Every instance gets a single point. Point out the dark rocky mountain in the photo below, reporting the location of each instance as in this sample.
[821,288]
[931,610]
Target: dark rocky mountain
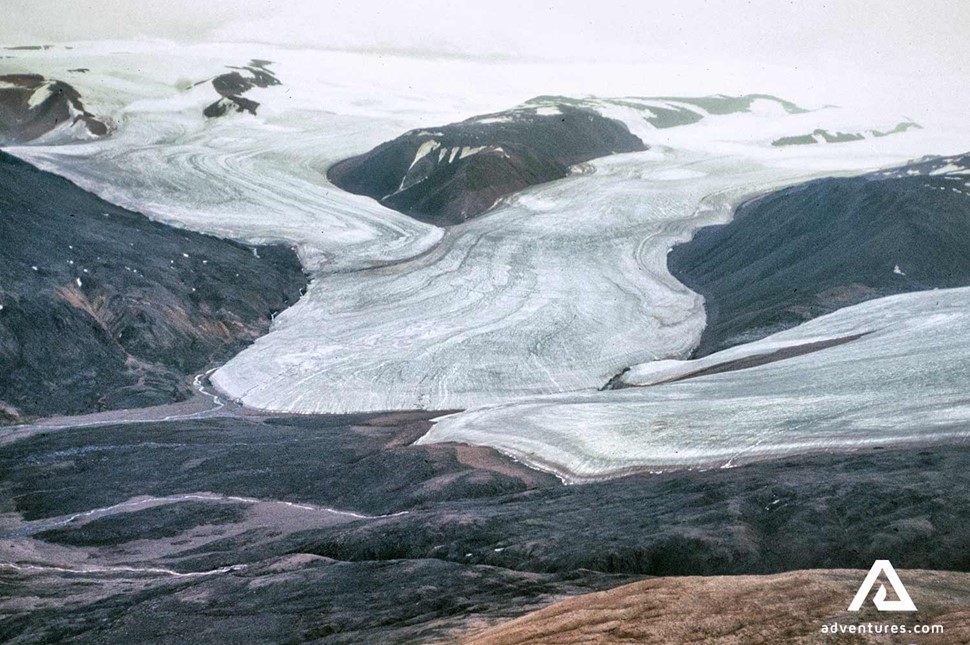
[232,85]
[821,135]
[101,308]
[32,106]
[804,251]
[483,539]
[449,174]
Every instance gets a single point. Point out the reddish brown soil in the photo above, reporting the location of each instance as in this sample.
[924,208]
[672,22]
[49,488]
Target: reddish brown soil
[789,608]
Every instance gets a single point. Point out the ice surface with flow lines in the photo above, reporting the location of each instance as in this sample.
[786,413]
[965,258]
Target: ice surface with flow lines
[903,379]
[554,291]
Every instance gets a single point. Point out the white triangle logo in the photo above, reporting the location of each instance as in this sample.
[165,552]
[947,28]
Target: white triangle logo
[905,603]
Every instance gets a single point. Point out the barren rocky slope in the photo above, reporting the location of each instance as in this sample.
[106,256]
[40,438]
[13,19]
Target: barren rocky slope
[801,252]
[101,308]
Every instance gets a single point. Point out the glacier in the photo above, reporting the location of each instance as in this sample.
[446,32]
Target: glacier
[554,291]
[900,377]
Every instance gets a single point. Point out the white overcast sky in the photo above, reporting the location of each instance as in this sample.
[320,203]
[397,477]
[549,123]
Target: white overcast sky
[847,41]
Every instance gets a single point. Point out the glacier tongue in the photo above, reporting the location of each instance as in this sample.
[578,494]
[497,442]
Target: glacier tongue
[903,379]
[239,178]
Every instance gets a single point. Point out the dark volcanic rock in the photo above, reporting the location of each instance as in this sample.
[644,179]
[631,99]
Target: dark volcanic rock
[831,510]
[101,308]
[363,462]
[801,252]
[450,174]
[359,461]
[151,524]
[31,106]
[840,511]
[287,600]
[483,538]
[232,85]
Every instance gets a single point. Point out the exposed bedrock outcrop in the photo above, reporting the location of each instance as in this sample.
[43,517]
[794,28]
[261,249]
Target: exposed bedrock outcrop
[32,106]
[101,308]
[804,251]
[232,85]
[450,174]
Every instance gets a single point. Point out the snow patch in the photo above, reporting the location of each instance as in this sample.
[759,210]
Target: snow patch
[948,169]
[548,110]
[40,95]
[425,149]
